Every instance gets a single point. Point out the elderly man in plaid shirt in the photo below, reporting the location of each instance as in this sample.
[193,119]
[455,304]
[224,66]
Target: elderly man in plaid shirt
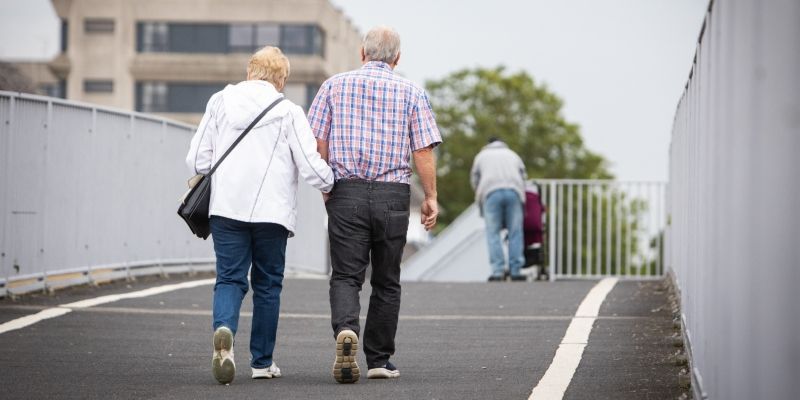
[368,124]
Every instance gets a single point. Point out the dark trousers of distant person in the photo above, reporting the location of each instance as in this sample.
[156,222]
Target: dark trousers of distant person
[367,223]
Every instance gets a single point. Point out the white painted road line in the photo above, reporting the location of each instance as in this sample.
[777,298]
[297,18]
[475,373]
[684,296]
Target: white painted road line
[66,308]
[141,293]
[556,380]
[27,320]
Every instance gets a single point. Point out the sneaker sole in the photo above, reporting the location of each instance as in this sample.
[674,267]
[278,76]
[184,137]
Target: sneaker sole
[223,368]
[382,373]
[267,376]
[345,368]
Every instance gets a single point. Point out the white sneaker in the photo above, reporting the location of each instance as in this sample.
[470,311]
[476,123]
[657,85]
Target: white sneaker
[222,364]
[345,368]
[267,373]
[388,371]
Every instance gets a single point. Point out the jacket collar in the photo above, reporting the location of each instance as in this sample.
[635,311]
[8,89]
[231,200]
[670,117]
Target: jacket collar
[496,145]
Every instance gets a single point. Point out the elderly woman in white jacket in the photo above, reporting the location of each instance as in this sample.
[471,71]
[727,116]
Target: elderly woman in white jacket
[253,202]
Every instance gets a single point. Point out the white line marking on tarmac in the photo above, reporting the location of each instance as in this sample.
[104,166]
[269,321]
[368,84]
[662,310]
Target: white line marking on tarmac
[555,381]
[66,308]
[32,319]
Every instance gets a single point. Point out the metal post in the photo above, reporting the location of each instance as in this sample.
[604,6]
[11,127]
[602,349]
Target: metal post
[609,221]
[589,212]
[579,239]
[618,223]
[570,229]
[662,230]
[599,233]
[4,255]
[561,231]
[551,231]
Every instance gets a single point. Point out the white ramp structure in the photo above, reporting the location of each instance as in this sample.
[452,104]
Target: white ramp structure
[459,253]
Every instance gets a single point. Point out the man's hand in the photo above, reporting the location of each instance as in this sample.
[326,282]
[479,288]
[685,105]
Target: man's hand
[430,212]
[326,197]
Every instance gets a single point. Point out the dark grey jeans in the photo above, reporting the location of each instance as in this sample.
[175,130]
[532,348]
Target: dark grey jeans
[367,223]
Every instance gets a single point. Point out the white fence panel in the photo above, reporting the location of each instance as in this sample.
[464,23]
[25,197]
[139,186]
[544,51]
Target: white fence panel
[732,241]
[594,229]
[90,193]
[601,228]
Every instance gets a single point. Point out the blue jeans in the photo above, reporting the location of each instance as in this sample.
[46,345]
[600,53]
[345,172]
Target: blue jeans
[503,210]
[237,245]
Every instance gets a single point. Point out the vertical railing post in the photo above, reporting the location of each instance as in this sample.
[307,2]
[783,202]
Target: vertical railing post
[4,267]
[570,229]
[551,231]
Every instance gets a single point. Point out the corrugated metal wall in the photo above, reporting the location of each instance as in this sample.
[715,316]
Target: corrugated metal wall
[86,189]
[734,198]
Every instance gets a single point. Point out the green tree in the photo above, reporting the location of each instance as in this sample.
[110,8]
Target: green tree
[472,105]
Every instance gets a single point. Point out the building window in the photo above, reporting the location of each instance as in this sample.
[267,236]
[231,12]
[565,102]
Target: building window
[98,86]
[53,89]
[301,94]
[64,32]
[190,97]
[247,38]
[296,39]
[241,38]
[151,37]
[268,35]
[190,38]
[311,93]
[175,97]
[296,92]
[151,97]
[228,38]
[62,88]
[98,25]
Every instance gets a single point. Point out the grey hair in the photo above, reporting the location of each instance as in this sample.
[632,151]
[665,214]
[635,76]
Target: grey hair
[382,43]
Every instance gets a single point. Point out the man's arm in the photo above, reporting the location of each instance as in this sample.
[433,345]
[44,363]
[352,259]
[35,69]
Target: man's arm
[322,149]
[319,118]
[425,162]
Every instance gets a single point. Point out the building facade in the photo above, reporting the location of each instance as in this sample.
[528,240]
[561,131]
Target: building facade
[168,56]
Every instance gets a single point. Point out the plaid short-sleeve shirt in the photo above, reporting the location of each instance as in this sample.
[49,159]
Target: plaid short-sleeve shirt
[372,120]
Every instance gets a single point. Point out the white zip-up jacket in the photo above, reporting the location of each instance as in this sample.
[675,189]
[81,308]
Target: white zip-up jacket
[257,182]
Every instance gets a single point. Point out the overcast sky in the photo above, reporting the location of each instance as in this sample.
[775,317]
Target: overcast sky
[619,65]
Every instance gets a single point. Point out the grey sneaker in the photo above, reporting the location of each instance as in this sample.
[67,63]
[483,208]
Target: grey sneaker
[222,364]
[388,371]
[267,373]
[345,368]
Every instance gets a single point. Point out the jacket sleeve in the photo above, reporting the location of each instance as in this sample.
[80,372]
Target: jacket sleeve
[314,170]
[522,170]
[201,150]
[475,173]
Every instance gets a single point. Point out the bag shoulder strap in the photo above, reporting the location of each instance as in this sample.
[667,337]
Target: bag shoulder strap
[244,133]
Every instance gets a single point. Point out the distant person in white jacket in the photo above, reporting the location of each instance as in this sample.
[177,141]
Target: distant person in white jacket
[253,202]
[498,178]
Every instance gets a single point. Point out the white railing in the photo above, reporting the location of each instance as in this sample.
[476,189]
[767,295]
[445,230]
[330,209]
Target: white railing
[594,228]
[599,228]
[733,242]
[89,194]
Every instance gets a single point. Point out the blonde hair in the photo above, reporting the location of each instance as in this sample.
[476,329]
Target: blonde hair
[269,64]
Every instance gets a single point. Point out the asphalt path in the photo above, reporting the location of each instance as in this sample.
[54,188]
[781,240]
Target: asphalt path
[455,341]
